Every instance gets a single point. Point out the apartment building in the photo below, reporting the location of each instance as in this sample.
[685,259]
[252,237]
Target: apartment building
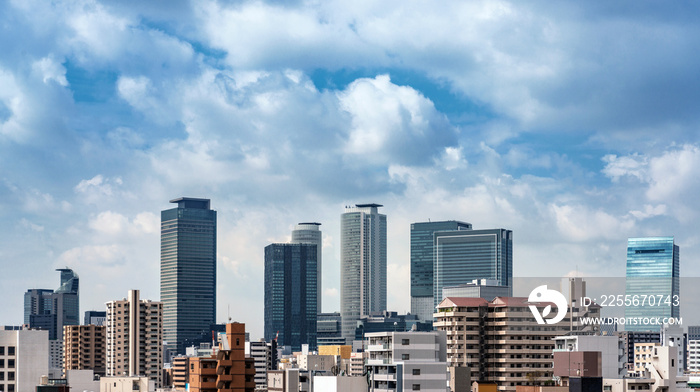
[85,348]
[23,359]
[407,361]
[500,340]
[135,338]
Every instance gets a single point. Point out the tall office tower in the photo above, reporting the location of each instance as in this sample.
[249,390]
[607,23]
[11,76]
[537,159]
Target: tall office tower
[422,303]
[290,294]
[464,255]
[51,310]
[653,273]
[188,272]
[309,233]
[134,338]
[85,348]
[23,356]
[362,265]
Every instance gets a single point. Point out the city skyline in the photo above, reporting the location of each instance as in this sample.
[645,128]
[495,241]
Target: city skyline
[571,124]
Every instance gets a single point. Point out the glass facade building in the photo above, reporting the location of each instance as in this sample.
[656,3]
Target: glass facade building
[290,294]
[362,265]
[309,233]
[422,264]
[51,310]
[188,272]
[464,255]
[653,271]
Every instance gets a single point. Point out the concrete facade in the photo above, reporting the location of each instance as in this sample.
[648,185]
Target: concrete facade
[407,361]
[24,356]
[135,338]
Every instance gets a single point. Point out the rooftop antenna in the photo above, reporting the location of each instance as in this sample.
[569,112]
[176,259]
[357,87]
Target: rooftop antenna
[228,312]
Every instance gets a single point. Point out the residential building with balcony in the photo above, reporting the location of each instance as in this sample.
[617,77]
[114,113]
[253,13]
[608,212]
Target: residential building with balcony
[85,348]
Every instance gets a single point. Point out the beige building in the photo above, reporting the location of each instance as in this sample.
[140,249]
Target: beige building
[84,348]
[500,340]
[642,356]
[135,338]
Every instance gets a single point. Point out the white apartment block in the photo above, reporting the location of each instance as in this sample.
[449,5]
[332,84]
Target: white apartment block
[642,356]
[24,358]
[694,356]
[135,338]
[407,361]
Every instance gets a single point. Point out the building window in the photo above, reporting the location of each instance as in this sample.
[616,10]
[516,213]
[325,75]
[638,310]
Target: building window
[2,350]
[405,357]
[11,363]
[11,388]
[416,372]
[416,387]
[11,350]
[2,363]
[405,342]
[10,376]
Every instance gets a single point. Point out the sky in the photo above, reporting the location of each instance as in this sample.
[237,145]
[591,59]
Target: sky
[574,124]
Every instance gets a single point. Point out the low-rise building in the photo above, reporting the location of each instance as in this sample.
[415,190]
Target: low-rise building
[405,361]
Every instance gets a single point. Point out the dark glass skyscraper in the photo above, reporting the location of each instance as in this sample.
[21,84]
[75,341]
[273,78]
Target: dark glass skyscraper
[51,310]
[188,272]
[422,303]
[290,294]
[653,278]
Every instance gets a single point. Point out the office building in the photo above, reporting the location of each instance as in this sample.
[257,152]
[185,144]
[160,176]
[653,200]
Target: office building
[328,329]
[310,233]
[422,260]
[188,272]
[694,356]
[653,272]
[464,255]
[362,264]
[24,356]
[388,321]
[95,317]
[85,348]
[290,294]
[407,361]
[51,310]
[478,288]
[265,356]
[500,341]
[693,332]
[135,338]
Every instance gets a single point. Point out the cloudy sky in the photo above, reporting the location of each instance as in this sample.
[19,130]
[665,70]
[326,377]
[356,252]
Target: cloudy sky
[575,124]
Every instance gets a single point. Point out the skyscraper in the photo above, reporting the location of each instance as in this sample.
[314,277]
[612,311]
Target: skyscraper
[362,264]
[51,310]
[461,256]
[188,272]
[653,277]
[134,339]
[290,294]
[422,303]
[309,233]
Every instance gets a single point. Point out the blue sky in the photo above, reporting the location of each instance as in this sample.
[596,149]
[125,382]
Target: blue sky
[573,124]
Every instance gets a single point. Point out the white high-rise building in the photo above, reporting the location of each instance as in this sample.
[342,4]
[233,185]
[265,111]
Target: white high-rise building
[362,265]
[135,338]
[309,233]
[24,355]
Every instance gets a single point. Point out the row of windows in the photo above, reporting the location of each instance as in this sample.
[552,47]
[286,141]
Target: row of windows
[9,349]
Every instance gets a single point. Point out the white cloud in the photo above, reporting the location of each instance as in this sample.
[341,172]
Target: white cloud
[632,165]
[51,70]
